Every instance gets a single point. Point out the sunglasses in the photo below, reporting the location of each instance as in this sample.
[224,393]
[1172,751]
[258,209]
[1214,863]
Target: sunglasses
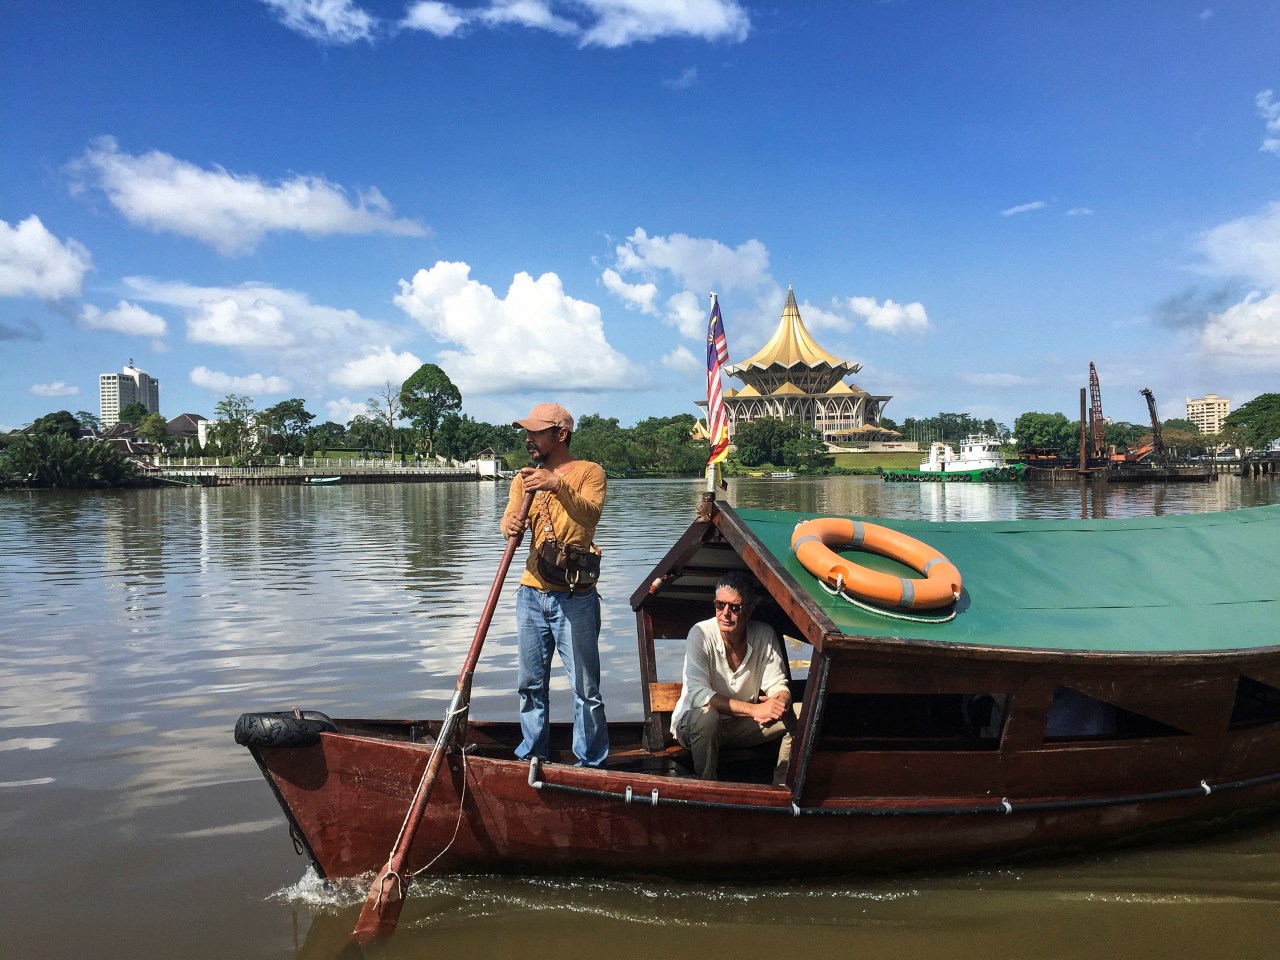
[734,608]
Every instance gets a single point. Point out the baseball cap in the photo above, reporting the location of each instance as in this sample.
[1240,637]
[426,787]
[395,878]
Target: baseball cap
[546,415]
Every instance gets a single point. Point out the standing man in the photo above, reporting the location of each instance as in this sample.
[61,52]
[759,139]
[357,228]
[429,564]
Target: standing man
[552,614]
[735,690]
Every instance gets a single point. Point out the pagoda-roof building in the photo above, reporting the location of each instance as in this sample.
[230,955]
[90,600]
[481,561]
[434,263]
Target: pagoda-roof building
[793,378]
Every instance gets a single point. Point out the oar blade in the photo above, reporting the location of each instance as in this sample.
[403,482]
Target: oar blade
[382,906]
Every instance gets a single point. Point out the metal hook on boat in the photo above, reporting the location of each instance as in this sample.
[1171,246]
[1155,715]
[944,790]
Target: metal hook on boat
[1204,785]
[1005,805]
[535,773]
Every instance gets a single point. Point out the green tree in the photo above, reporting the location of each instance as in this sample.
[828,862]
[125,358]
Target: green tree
[235,427]
[1052,431]
[326,436]
[764,441]
[426,397]
[601,440]
[363,432]
[155,430]
[288,419]
[1257,421]
[61,423]
[89,422]
[56,460]
[133,413]
[805,449]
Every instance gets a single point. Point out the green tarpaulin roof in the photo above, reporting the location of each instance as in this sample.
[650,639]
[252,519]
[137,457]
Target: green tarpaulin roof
[1197,582]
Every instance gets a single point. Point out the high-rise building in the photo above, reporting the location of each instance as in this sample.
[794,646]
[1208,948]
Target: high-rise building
[1208,412]
[117,390]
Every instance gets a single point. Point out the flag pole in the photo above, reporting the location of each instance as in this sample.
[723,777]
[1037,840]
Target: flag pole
[714,349]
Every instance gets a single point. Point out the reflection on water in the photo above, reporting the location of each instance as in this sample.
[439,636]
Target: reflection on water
[138,625]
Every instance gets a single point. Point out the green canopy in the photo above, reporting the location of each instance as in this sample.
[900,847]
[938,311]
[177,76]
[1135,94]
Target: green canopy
[1194,582]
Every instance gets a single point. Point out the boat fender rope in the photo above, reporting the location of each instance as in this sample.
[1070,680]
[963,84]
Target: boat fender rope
[1005,805]
[1204,785]
[462,798]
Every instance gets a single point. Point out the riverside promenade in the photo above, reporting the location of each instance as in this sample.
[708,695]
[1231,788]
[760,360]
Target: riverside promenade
[299,471]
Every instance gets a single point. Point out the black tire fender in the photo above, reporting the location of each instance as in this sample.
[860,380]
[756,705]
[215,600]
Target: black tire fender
[282,729]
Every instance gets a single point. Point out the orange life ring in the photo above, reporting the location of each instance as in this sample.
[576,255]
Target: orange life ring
[812,542]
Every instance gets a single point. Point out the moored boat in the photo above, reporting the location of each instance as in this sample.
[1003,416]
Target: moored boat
[321,481]
[1083,689]
[979,460]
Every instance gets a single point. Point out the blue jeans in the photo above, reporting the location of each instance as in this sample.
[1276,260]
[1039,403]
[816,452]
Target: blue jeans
[547,621]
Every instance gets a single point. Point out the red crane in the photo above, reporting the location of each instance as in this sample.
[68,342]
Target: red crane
[1097,425]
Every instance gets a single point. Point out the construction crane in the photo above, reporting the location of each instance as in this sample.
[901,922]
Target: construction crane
[1097,425]
[1157,440]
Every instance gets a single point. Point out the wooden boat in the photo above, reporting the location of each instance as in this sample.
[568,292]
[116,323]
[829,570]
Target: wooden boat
[978,461]
[1097,682]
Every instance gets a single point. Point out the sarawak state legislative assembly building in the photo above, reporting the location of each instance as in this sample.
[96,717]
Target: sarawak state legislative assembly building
[792,378]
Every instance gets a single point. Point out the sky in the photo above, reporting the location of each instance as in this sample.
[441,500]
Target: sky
[310,198]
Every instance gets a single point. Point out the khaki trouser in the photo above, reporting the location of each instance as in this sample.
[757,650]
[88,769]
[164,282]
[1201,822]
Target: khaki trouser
[705,730]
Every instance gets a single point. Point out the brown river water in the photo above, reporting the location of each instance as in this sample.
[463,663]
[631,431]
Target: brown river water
[136,626]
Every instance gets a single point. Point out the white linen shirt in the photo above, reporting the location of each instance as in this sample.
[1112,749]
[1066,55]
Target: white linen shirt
[706,669]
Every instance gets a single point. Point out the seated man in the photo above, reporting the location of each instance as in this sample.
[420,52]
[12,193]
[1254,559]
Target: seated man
[735,684]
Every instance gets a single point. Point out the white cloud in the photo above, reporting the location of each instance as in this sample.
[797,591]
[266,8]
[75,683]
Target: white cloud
[637,296]
[375,368]
[599,23]
[328,21]
[1269,110]
[343,410]
[698,263]
[891,317]
[253,384]
[1248,332]
[124,317]
[1080,212]
[536,337]
[682,361]
[229,323]
[439,19]
[230,212]
[35,263]
[1248,248]
[622,22]
[1023,208]
[816,318]
[58,388]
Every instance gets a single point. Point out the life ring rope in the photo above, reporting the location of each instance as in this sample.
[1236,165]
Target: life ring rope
[839,591]
[814,543]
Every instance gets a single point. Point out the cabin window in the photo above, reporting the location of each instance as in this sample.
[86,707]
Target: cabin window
[1075,717]
[1255,704]
[943,721]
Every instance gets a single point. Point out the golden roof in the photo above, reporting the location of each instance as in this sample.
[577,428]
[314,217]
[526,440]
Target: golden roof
[791,345]
[788,389]
[748,391]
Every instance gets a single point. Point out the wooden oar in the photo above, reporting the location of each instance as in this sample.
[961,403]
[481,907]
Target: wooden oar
[382,906]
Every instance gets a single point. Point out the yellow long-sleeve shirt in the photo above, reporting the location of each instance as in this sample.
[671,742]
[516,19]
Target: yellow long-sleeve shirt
[573,512]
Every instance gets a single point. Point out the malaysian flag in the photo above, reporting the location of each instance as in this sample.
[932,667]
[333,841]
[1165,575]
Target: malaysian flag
[717,353]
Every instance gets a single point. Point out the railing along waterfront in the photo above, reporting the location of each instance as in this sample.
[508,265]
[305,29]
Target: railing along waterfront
[207,471]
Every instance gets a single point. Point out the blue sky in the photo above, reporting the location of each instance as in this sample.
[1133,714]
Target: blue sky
[307,198]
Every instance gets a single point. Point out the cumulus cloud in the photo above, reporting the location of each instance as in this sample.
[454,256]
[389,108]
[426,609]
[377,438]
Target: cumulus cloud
[124,317]
[637,296]
[535,337]
[681,360]
[1248,332]
[344,410]
[228,322]
[1023,208]
[891,317]
[328,21]
[376,368]
[1248,247]
[56,389]
[254,384]
[35,263]
[593,23]
[230,212]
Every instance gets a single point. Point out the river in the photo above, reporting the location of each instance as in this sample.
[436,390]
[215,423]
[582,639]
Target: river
[138,625]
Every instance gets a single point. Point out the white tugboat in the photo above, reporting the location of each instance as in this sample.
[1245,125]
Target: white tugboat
[978,461]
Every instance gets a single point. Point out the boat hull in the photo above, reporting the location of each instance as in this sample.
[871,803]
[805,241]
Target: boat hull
[1010,473]
[346,797]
